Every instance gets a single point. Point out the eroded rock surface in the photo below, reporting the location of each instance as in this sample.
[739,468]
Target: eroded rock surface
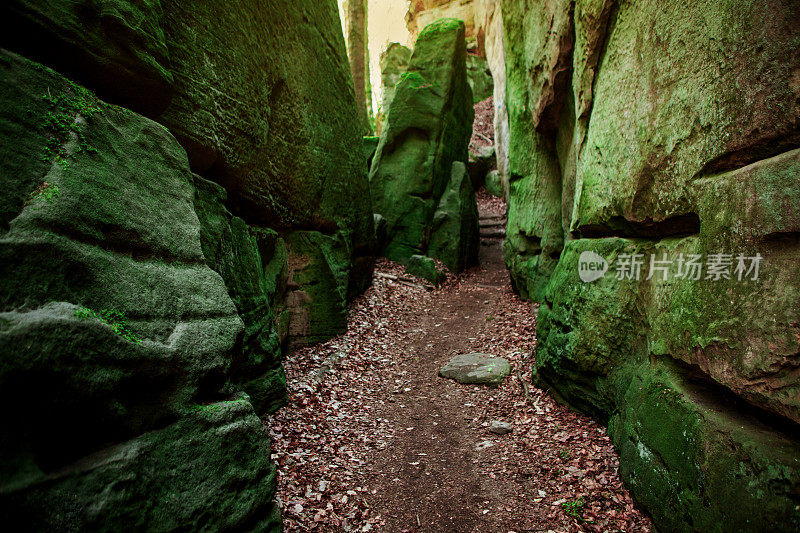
[427,130]
[157,258]
[114,328]
[687,147]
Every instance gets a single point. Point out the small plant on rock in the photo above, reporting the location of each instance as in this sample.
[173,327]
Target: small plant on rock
[46,192]
[116,319]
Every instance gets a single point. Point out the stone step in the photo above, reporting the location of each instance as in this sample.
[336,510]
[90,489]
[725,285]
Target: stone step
[493,234]
[491,223]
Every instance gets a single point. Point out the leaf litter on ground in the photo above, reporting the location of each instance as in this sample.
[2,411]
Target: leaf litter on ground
[562,462]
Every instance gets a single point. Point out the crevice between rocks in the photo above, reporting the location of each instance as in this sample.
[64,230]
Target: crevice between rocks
[708,393]
[618,226]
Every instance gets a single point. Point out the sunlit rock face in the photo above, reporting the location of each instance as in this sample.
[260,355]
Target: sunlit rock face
[178,184]
[661,135]
[416,179]
[394,62]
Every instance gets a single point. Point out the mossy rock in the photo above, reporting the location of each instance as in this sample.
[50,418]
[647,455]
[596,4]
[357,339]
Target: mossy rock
[479,77]
[700,460]
[428,128]
[494,184]
[425,268]
[118,48]
[318,271]
[177,477]
[454,231]
[370,146]
[113,324]
[253,264]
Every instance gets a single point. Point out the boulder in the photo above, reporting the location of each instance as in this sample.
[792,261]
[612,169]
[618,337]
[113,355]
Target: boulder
[428,128]
[253,264]
[318,266]
[425,268]
[479,77]
[499,427]
[394,62]
[113,325]
[178,477]
[263,105]
[481,162]
[454,231]
[476,368]
[117,48]
[494,184]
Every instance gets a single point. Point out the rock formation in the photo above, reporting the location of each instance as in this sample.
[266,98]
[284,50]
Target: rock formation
[394,62]
[670,132]
[177,206]
[485,34]
[426,133]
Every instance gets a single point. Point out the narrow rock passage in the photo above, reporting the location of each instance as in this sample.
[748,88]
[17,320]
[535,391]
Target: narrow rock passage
[380,442]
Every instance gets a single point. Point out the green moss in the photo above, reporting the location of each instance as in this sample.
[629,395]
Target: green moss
[574,508]
[116,319]
[46,191]
[61,119]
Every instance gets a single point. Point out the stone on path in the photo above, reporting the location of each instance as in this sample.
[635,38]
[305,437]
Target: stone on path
[500,428]
[425,268]
[483,445]
[476,368]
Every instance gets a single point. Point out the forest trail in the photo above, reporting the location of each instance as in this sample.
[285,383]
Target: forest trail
[381,443]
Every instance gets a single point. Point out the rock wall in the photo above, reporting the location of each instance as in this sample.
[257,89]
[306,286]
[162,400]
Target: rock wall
[489,18]
[670,132]
[416,176]
[177,207]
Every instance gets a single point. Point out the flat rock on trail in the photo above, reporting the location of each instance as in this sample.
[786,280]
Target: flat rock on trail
[384,443]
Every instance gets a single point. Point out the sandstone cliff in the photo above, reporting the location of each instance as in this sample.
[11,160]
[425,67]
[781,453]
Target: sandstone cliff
[177,207]
[668,131]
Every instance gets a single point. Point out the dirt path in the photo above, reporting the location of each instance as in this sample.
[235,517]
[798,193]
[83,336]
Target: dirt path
[382,443]
[433,478]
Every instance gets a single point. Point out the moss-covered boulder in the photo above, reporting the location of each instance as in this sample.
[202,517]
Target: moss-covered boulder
[259,94]
[494,184]
[425,268]
[174,478]
[455,235]
[684,151]
[318,267]
[116,47]
[428,128]
[112,325]
[698,458]
[479,77]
